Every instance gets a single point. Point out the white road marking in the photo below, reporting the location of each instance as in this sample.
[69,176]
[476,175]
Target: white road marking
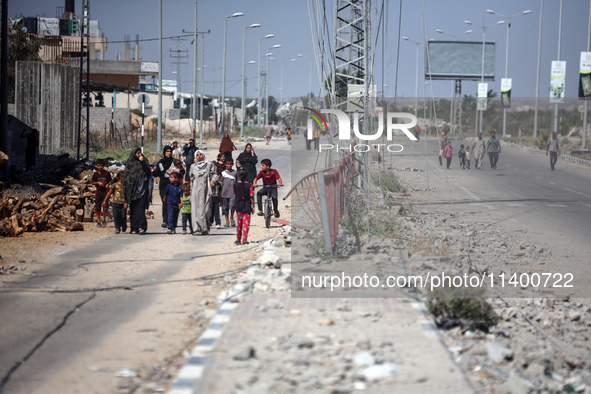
[576,192]
[516,204]
[468,192]
[552,183]
[557,205]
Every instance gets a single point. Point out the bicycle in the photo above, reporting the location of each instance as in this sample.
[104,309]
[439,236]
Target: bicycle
[268,203]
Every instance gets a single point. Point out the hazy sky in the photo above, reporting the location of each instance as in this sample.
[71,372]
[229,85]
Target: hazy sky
[289,21]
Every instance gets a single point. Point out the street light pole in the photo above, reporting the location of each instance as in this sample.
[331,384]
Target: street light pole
[483,27]
[223,106]
[558,58]
[508,19]
[538,70]
[259,79]
[242,109]
[283,64]
[267,82]
[416,73]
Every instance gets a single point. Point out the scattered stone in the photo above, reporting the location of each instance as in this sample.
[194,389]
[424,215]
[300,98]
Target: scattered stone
[378,372]
[364,359]
[245,354]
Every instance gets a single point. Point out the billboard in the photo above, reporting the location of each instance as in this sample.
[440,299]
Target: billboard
[459,60]
[585,76]
[506,92]
[557,81]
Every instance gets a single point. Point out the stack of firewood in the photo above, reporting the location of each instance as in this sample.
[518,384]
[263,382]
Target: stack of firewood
[61,208]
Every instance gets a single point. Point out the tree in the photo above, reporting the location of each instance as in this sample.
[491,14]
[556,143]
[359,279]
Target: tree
[21,47]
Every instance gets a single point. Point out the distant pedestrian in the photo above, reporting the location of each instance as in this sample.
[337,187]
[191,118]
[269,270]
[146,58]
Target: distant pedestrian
[173,199]
[288,134]
[227,146]
[189,151]
[493,148]
[228,179]
[448,153]
[101,179]
[244,196]
[468,157]
[417,132]
[203,177]
[554,150]
[268,132]
[442,147]
[316,138]
[118,203]
[135,183]
[177,152]
[216,202]
[478,148]
[163,169]
[248,160]
[186,209]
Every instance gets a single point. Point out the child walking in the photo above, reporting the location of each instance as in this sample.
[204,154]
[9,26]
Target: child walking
[289,136]
[462,156]
[228,179]
[118,203]
[186,209]
[173,199]
[101,179]
[244,194]
[448,153]
[468,154]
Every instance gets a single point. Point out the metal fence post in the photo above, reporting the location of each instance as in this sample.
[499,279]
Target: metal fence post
[324,214]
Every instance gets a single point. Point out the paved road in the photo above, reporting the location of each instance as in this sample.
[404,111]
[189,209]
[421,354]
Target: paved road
[549,208]
[107,330]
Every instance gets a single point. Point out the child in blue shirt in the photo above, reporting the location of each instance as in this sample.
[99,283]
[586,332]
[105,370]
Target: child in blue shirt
[173,199]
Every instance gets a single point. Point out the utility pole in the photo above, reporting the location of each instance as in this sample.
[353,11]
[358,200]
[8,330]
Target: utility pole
[179,54]
[4,80]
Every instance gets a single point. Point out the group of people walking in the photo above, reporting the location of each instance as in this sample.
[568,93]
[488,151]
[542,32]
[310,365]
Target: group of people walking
[492,147]
[189,186]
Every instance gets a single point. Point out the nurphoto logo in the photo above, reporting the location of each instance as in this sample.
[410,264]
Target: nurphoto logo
[392,120]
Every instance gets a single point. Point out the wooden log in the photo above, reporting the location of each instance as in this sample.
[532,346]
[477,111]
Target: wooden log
[16,229]
[53,192]
[88,210]
[18,206]
[48,208]
[80,215]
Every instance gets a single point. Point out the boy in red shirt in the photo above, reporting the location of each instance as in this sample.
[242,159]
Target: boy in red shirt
[271,179]
[101,179]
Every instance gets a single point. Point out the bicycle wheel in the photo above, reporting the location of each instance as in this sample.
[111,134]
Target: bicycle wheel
[268,212]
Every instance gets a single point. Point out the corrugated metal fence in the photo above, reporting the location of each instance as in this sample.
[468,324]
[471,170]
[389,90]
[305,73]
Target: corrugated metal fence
[46,98]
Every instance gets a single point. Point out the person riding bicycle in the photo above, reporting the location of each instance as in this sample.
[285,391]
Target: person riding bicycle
[271,179]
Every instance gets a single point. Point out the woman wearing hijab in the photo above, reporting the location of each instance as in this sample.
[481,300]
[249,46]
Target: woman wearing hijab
[248,160]
[136,180]
[203,177]
[226,147]
[162,169]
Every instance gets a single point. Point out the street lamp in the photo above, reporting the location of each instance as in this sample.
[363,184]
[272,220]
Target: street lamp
[267,80]
[451,102]
[283,64]
[223,106]
[483,27]
[253,26]
[259,79]
[507,18]
[310,78]
[418,44]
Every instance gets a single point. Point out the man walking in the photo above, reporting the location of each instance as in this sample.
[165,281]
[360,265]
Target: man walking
[268,132]
[493,148]
[553,149]
[478,149]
